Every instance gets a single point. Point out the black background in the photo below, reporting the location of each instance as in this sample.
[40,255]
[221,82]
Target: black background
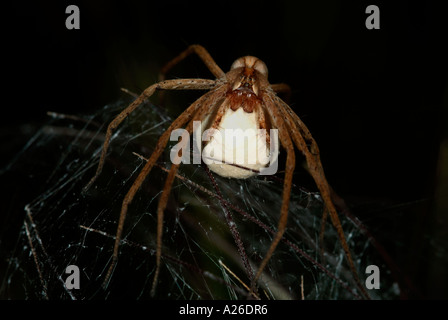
[375,100]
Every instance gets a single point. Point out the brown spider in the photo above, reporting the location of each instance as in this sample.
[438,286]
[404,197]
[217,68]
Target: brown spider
[245,88]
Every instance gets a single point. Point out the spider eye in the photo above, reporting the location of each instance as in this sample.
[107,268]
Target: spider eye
[238,63]
[260,66]
[250,62]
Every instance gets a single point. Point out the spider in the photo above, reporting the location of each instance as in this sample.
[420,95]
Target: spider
[244,89]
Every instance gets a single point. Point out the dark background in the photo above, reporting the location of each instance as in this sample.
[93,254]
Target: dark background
[375,100]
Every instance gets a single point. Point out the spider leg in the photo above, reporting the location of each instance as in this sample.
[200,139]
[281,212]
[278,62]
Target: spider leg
[202,53]
[160,213]
[163,140]
[277,120]
[301,136]
[181,84]
[212,99]
[336,199]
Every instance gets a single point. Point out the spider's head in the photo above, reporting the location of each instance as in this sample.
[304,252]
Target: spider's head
[250,69]
[250,63]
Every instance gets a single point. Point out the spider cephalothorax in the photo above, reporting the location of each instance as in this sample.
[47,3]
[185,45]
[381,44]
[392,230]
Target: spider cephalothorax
[239,99]
[248,78]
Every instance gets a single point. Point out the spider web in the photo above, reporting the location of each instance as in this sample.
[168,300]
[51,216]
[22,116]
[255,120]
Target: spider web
[61,226]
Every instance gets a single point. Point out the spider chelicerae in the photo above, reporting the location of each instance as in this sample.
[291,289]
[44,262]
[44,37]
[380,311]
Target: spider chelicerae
[243,93]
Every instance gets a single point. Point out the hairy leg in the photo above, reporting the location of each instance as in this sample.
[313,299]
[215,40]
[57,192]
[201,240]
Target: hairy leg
[285,139]
[211,101]
[182,84]
[308,146]
[160,146]
[202,53]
